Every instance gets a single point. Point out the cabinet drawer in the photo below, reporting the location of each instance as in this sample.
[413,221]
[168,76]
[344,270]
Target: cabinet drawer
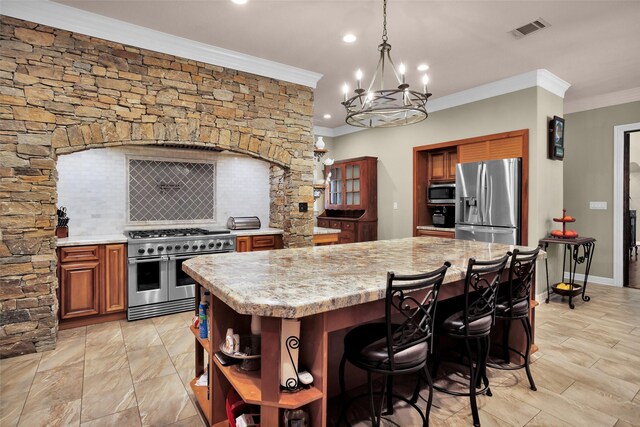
[263,242]
[325,223]
[79,253]
[335,224]
[348,225]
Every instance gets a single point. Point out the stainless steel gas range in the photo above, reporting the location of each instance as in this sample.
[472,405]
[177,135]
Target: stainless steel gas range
[156,283]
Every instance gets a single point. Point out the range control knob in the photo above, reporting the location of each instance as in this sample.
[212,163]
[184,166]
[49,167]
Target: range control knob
[194,247]
[161,248]
[218,244]
[169,247]
[211,245]
[150,250]
[203,246]
[185,246]
[227,243]
[140,251]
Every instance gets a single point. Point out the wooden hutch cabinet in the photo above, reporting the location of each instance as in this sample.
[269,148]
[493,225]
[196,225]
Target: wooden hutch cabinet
[442,165]
[351,199]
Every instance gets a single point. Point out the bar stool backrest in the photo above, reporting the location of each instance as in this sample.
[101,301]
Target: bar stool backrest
[523,266]
[415,311]
[481,288]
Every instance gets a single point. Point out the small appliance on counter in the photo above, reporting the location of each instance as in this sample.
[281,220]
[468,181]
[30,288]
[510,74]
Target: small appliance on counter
[243,223]
[444,217]
[62,229]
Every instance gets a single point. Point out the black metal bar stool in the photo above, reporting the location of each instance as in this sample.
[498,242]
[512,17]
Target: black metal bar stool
[473,324]
[514,304]
[400,344]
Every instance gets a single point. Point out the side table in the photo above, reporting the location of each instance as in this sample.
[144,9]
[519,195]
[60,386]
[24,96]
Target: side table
[580,251]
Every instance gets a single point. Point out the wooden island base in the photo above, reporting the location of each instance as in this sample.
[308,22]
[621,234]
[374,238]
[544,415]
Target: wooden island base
[320,352]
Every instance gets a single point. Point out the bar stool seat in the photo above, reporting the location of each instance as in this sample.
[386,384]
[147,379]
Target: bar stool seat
[503,308]
[397,346]
[366,346]
[454,324]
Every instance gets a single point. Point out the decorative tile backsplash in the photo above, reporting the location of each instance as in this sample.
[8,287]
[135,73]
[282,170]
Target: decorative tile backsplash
[171,191]
[93,185]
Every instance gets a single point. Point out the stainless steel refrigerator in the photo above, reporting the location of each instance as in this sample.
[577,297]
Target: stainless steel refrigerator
[488,201]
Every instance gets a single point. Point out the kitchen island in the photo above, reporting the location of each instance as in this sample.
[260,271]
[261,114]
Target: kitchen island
[330,288]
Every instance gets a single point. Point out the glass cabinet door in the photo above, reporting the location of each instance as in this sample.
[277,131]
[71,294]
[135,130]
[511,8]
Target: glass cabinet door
[352,184]
[335,186]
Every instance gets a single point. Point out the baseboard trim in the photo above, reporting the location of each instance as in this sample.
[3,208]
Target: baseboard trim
[594,279]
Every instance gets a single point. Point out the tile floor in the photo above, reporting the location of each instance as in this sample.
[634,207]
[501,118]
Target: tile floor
[131,374]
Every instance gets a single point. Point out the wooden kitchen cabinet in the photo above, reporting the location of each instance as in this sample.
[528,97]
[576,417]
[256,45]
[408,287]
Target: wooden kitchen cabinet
[92,284]
[450,234]
[496,149]
[351,202]
[442,165]
[115,279]
[262,242]
[79,289]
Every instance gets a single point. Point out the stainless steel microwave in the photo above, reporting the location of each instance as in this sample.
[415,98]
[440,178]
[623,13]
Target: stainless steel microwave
[442,193]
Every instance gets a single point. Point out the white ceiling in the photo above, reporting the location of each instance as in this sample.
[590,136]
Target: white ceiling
[594,45]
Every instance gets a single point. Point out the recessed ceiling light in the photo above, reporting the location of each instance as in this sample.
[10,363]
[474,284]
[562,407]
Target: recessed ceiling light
[423,67]
[349,38]
[240,1]
[327,116]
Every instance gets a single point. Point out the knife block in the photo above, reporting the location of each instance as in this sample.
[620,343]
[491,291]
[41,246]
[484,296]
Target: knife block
[62,232]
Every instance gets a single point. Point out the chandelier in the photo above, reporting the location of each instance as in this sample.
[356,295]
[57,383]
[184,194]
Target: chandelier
[379,108]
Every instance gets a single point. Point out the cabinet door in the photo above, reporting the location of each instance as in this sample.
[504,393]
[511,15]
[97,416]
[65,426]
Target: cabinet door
[452,159]
[115,282]
[79,289]
[505,148]
[352,185]
[243,244]
[475,152]
[335,197]
[437,165]
[263,243]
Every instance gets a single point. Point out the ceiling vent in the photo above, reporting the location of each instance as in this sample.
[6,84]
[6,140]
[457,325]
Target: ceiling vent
[529,28]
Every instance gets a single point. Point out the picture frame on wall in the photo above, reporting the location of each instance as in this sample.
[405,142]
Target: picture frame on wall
[556,138]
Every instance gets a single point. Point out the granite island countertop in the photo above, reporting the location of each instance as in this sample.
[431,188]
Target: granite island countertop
[293,283]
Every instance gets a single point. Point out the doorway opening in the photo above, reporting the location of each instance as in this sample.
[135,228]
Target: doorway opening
[631,206]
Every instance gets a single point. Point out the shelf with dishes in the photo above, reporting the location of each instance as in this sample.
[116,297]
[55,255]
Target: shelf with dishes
[222,378]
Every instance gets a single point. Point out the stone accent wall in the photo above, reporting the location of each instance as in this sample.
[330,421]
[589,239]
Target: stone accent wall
[62,92]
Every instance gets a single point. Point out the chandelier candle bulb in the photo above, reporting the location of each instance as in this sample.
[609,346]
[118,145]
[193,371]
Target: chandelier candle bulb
[425,80]
[359,79]
[402,71]
[345,90]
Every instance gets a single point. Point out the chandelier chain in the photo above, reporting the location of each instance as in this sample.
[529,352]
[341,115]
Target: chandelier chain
[384,21]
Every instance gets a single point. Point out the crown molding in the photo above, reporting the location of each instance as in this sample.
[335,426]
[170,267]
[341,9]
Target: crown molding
[79,21]
[601,101]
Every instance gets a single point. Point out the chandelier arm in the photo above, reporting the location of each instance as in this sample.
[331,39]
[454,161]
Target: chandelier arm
[378,67]
[393,67]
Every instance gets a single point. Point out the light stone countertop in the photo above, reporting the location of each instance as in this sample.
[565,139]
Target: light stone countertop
[434,228]
[323,230]
[102,239]
[293,283]
[258,232]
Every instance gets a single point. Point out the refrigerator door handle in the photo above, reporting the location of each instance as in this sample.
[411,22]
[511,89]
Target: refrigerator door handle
[483,193]
[493,230]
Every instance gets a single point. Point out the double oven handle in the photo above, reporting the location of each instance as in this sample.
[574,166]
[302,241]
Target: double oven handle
[133,261]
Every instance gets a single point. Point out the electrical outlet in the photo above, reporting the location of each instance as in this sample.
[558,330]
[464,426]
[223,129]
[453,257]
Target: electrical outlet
[395,205]
[303,207]
[598,205]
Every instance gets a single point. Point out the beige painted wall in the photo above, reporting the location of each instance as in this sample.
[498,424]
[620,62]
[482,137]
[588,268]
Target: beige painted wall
[588,175]
[526,109]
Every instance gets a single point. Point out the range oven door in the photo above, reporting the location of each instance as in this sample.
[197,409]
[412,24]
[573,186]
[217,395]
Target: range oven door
[148,281]
[181,285]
